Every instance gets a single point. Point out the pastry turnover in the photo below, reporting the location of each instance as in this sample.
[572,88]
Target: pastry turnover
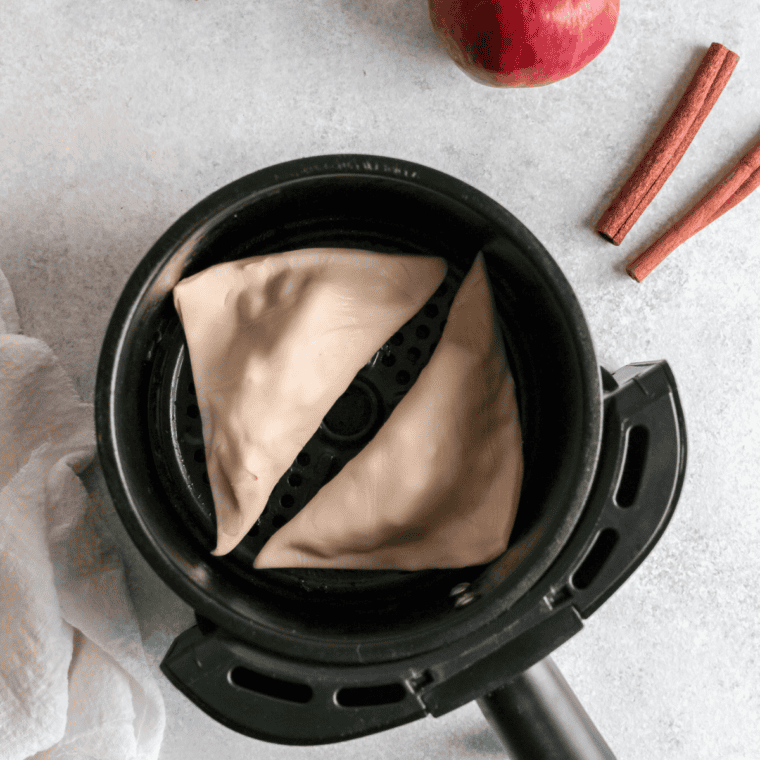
[274,341]
[438,486]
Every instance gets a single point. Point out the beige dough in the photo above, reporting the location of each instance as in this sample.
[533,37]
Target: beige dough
[274,341]
[438,485]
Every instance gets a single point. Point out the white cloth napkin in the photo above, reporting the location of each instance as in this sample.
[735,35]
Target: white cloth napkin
[74,679]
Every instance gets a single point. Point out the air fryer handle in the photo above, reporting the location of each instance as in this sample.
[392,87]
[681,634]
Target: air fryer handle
[537,715]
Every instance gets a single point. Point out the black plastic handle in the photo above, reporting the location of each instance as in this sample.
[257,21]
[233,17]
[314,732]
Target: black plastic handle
[538,717]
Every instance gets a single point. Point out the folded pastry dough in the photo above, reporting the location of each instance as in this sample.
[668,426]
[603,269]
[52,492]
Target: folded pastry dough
[438,485]
[274,341]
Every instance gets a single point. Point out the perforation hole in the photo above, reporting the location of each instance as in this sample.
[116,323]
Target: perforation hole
[303,459]
[389,360]
[595,559]
[430,310]
[422,332]
[370,696]
[413,354]
[193,412]
[287,501]
[288,691]
[633,469]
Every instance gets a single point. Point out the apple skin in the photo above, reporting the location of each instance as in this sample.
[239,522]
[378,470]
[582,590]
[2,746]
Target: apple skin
[523,43]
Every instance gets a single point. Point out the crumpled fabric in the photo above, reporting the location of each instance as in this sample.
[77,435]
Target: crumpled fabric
[74,679]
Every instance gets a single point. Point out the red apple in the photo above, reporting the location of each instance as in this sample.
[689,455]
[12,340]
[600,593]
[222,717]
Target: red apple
[523,43]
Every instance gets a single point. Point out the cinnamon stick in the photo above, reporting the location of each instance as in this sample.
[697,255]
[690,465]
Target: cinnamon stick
[733,188]
[668,149]
[751,184]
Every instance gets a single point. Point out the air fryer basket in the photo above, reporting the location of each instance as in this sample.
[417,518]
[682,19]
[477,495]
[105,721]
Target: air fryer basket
[313,656]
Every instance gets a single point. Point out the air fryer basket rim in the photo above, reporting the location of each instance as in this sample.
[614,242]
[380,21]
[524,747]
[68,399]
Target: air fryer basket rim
[165,261]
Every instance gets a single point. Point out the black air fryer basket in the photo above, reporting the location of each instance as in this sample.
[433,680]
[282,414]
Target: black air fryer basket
[317,656]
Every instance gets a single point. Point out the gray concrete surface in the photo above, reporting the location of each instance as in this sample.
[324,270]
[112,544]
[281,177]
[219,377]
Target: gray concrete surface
[117,117]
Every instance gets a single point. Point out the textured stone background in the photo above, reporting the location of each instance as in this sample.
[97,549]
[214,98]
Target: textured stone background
[116,117]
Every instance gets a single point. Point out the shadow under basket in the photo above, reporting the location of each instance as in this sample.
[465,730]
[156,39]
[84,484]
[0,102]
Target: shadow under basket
[318,656]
